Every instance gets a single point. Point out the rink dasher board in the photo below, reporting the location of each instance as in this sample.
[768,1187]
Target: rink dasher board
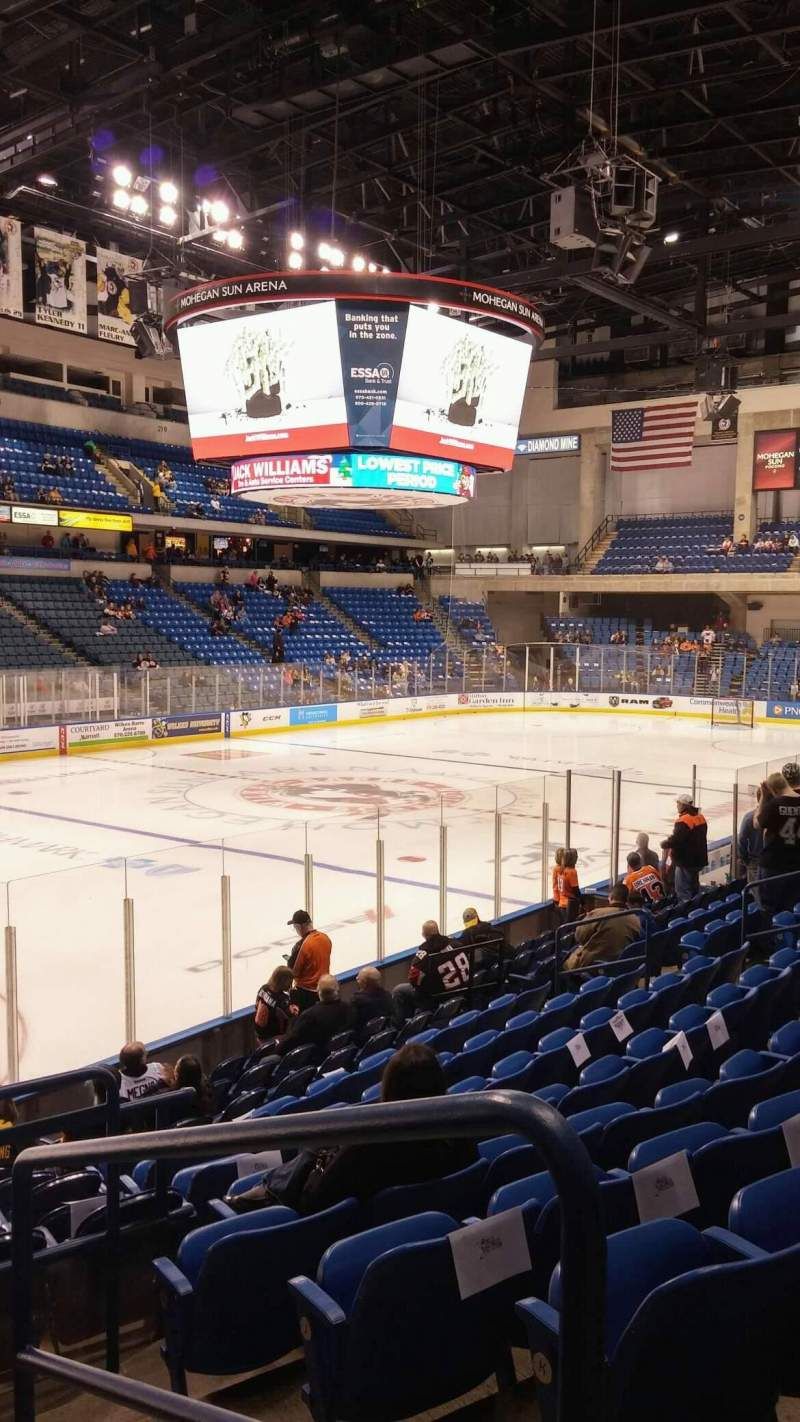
[27,743]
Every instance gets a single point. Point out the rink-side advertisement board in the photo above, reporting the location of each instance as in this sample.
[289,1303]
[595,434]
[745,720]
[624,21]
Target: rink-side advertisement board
[93,735]
[160,730]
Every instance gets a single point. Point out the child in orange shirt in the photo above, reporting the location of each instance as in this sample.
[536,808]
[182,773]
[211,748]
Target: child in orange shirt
[569,894]
[558,865]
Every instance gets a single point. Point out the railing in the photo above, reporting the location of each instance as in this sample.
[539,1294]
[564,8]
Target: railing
[591,543]
[566,930]
[67,695]
[581,1386]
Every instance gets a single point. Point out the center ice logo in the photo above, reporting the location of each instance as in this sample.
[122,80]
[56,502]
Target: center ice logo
[351,795]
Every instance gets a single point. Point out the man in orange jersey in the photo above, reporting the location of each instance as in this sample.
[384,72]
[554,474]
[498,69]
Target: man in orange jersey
[309,960]
[643,879]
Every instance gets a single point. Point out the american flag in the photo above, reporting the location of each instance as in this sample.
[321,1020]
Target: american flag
[653,437]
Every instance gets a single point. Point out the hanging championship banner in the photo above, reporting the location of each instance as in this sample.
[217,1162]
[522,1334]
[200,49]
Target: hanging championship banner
[60,280]
[10,268]
[114,316]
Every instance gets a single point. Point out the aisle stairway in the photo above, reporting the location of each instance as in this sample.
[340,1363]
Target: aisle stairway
[591,560]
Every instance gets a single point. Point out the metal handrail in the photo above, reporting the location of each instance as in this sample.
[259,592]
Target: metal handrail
[567,928]
[581,1382]
[753,889]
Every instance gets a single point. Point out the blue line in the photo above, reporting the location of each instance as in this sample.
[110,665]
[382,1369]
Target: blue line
[250,853]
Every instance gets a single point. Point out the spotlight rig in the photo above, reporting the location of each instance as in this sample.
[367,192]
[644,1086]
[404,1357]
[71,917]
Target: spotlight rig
[610,209]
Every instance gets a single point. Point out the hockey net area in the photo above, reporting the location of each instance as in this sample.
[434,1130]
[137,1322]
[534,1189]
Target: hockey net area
[732,711]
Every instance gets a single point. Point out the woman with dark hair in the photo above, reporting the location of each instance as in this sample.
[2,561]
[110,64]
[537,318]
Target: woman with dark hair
[317,1181]
[274,1010]
[189,1072]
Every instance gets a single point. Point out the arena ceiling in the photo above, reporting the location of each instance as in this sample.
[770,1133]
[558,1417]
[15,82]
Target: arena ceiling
[435,131]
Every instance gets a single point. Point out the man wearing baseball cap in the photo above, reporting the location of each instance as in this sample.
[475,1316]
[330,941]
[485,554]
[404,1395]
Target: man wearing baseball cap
[477,931]
[688,845]
[309,960]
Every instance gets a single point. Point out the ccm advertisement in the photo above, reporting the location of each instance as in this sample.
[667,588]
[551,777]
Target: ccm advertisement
[334,376]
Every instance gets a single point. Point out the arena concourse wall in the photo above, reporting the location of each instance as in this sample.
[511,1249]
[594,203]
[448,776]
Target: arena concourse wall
[77,737]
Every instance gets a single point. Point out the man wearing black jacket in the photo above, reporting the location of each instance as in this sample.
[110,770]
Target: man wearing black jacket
[369,1000]
[318,1024]
[476,931]
[688,844]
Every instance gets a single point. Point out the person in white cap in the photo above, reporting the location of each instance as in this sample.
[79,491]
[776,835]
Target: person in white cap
[688,845]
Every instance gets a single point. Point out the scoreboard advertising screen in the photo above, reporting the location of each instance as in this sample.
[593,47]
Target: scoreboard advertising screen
[288,478]
[336,374]
[775,460]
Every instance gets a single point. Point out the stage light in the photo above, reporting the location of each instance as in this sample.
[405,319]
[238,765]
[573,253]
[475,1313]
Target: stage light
[433,307]
[122,175]
[324,269]
[358,264]
[295,261]
[47,180]
[297,241]
[167,215]
[220,212]
[324,251]
[168,193]
[139,205]
[120,199]
[385,269]
[336,257]
[220,236]
[235,240]
[372,267]
[670,237]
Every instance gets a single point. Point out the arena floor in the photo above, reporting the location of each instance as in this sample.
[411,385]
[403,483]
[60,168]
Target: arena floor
[161,826]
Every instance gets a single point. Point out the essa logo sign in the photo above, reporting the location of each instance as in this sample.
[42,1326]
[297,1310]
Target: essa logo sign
[372,372]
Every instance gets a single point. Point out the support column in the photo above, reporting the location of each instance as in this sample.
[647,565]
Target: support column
[592,483]
[744,500]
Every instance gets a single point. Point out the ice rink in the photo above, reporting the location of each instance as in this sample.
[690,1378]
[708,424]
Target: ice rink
[161,827]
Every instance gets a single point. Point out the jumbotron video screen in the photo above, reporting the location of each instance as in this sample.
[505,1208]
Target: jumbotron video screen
[339,375]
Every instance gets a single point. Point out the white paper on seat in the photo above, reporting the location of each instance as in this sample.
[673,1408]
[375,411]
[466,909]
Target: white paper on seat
[489,1251]
[578,1050]
[665,1189]
[680,1043]
[249,1164]
[791,1135]
[717,1030]
[620,1026]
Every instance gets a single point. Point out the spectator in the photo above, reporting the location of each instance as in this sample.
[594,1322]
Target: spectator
[743,546]
[567,887]
[323,1178]
[644,880]
[600,936]
[793,542]
[476,931]
[106,629]
[750,843]
[433,971]
[688,844]
[189,1072]
[137,1077]
[274,1008]
[278,647]
[319,1023]
[708,636]
[309,960]
[369,1000]
[558,865]
[778,815]
[791,774]
[48,541]
[645,853]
